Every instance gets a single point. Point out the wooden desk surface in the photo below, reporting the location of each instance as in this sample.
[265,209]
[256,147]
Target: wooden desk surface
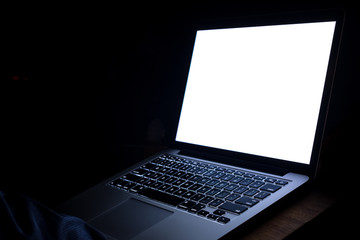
[292,217]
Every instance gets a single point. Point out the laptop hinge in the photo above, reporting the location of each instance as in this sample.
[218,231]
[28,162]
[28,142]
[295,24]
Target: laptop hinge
[236,162]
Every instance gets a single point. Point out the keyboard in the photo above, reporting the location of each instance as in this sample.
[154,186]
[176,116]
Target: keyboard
[205,189]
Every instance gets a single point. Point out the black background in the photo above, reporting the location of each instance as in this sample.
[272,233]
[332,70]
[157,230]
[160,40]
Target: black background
[87,87]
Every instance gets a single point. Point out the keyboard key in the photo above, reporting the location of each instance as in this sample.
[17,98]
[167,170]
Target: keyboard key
[171,172]
[240,189]
[149,174]
[222,194]
[212,182]
[183,168]
[203,213]
[149,166]
[162,170]
[157,168]
[172,189]
[187,184]
[131,177]
[140,171]
[209,173]
[216,203]
[156,185]
[213,191]
[179,174]
[204,166]
[204,189]
[270,180]
[119,182]
[236,179]
[178,165]
[249,175]
[178,182]
[256,184]
[163,178]
[246,181]
[187,205]
[262,195]
[187,176]
[218,175]
[142,181]
[170,163]
[281,182]
[162,197]
[170,179]
[231,187]
[197,197]
[129,186]
[233,207]
[221,169]
[227,177]
[223,219]
[221,185]
[230,171]
[149,182]
[251,192]
[206,199]
[270,188]
[219,212]
[197,207]
[201,170]
[240,173]
[156,175]
[210,166]
[232,197]
[193,169]
[195,187]
[188,194]
[195,178]
[212,217]
[247,201]
[203,180]
[137,188]
[180,192]
[259,177]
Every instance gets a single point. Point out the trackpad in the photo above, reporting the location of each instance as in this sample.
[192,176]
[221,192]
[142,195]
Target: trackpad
[129,219]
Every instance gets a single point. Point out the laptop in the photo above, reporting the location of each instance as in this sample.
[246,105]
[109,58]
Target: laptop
[249,132]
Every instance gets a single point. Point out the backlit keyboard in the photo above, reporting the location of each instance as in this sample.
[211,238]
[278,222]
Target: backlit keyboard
[205,189]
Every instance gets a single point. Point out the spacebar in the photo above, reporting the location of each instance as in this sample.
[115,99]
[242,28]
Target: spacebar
[162,197]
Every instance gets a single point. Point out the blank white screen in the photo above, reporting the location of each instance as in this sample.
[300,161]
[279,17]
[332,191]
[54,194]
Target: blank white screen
[257,90]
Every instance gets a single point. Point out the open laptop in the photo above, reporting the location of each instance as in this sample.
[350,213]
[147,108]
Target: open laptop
[249,132]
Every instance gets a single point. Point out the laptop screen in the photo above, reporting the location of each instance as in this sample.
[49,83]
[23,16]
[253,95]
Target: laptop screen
[257,90]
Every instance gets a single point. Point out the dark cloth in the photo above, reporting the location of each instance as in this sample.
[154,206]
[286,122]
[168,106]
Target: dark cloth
[24,218]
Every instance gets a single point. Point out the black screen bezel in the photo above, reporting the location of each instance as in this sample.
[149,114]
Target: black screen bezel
[260,162]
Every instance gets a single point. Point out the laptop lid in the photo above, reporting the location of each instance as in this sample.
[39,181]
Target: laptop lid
[258,90]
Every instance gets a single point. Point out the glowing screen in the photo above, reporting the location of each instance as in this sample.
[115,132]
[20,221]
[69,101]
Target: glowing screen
[257,90]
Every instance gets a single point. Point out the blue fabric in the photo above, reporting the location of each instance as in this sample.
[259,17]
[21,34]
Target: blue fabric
[23,218]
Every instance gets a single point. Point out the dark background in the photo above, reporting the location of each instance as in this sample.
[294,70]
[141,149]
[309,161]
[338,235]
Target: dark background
[90,89]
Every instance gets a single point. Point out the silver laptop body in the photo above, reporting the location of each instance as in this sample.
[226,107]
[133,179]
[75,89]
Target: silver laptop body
[249,132]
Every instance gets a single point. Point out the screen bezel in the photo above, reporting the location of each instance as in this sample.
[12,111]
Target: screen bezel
[254,161]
